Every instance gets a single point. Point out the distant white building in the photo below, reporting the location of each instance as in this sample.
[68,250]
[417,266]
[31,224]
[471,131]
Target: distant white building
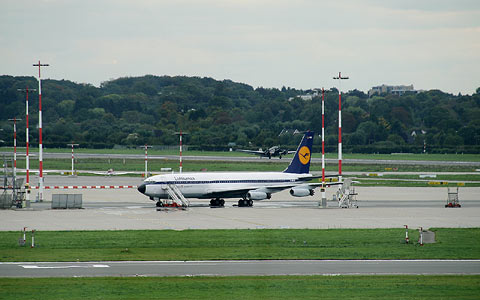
[391,89]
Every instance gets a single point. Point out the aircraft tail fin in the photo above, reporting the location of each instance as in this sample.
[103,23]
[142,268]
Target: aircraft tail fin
[300,163]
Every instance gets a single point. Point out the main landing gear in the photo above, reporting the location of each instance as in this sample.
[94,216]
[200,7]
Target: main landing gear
[245,203]
[217,202]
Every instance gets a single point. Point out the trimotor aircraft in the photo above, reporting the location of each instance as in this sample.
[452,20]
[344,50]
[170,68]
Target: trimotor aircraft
[248,186]
[270,152]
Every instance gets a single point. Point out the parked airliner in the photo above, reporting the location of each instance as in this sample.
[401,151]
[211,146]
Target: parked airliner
[248,186]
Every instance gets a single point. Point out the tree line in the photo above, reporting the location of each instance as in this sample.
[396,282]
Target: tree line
[133,111]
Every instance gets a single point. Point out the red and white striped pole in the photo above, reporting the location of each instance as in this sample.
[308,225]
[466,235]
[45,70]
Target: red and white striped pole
[146,161]
[24,235]
[180,151]
[73,158]
[27,139]
[340,125]
[323,144]
[14,120]
[40,142]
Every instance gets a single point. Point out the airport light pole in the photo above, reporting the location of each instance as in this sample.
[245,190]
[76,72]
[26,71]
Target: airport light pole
[40,143]
[324,198]
[180,134]
[340,78]
[14,120]
[27,140]
[146,159]
[73,157]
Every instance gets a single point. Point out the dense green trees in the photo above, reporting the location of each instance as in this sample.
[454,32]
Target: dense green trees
[149,109]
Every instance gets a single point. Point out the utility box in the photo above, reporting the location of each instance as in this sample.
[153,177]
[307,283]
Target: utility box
[64,201]
[5,201]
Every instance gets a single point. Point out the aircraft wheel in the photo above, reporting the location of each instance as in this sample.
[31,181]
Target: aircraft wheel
[250,202]
[222,202]
[159,204]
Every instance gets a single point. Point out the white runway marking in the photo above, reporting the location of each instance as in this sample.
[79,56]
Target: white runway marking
[63,267]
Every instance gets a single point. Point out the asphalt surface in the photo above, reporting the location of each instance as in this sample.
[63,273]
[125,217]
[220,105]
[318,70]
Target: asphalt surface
[252,158]
[379,207]
[235,268]
[112,209]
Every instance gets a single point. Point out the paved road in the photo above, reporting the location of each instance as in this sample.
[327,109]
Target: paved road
[234,268]
[255,159]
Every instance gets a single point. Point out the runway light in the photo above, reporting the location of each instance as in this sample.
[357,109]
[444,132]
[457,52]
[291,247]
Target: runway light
[406,234]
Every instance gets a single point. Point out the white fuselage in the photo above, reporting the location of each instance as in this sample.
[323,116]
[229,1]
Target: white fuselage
[223,184]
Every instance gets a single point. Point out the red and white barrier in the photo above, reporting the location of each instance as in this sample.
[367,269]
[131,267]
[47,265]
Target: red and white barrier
[56,187]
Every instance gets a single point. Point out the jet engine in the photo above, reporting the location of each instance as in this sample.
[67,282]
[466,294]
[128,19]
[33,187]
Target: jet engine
[301,192]
[255,195]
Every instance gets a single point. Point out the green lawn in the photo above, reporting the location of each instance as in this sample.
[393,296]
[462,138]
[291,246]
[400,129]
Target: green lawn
[459,243]
[244,287]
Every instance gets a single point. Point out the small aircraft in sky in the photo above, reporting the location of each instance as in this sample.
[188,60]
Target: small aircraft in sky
[270,152]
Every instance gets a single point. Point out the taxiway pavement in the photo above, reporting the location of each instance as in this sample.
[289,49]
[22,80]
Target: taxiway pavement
[236,268]
[379,207]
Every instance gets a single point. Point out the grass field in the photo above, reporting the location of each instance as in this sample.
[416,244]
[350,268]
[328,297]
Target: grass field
[245,287]
[459,243]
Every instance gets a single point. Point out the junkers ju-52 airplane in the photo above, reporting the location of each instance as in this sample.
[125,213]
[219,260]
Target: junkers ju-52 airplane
[248,186]
[270,152]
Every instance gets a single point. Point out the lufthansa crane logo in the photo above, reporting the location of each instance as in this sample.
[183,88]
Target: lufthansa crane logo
[304,155]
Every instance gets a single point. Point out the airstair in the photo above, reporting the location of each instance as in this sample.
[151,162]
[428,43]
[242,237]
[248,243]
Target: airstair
[346,195]
[176,195]
[452,200]
[12,191]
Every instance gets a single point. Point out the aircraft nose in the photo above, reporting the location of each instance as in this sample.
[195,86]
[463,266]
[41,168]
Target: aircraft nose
[142,188]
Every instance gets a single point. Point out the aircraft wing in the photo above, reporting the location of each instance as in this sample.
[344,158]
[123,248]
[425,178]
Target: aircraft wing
[257,152]
[316,177]
[235,192]
[108,173]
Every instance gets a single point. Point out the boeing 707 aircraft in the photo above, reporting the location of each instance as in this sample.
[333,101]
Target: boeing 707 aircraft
[248,186]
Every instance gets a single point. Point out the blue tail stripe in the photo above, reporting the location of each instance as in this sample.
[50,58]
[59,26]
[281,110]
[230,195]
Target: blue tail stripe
[300,163]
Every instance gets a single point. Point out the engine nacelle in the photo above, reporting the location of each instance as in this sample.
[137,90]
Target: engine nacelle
[299,192]
[253,195]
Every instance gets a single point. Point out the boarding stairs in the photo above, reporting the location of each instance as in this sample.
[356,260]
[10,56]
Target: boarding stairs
[346,195]
[176,195]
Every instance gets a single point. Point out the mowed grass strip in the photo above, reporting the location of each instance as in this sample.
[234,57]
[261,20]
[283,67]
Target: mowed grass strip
[247,287]
[458,243]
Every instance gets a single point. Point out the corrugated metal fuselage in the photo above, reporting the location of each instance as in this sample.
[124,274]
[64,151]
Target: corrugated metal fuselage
[221,185]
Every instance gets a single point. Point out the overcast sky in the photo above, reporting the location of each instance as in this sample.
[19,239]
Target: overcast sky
[432,44]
